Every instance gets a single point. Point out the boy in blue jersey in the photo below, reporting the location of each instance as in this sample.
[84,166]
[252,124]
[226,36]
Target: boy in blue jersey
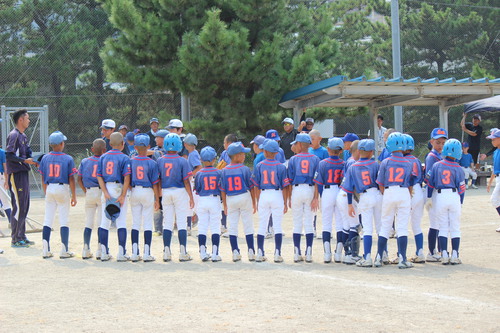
[155,153]
[316,147]
[271,182]
[206,185]
[361,178]
[144,196]
[328,178]
[113,175]
[190,142]
[394,180]
[87,179]
[468,166]
[304,195]
[259,152]
[238,199]
[448,179]
[495,196]
[224,160]
[57,170]
[177,197]
[348,139]
[273,134]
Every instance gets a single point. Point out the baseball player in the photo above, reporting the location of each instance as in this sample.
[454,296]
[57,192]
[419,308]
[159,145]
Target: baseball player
[87,179]
[271,182]
[238,199]
[348,139]
[361,178]
[206,185]
[394,180]
[113,175]
[304,195]
[316,147]
[259,153]
[224,160]
[190,143]
[448,179]
[177,197]
[57,170]
[495,196]
[385,153]
[144,196]
[273,134]
[417,200]
[467,164]
[438,138]
[328,178]
[155,153]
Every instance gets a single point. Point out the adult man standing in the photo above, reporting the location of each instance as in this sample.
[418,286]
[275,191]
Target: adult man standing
[107,128]
[288,137]
[381,131]
[154,124]
[475,131]
[306,126]
[176,126]
[18,155]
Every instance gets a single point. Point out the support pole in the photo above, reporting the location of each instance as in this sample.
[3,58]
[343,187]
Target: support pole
[296,116]
[443,116]
[396,60]
[374,128]
[185,108]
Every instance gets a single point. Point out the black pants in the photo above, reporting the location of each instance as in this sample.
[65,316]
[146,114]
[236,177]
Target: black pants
[19,185]
[475,154]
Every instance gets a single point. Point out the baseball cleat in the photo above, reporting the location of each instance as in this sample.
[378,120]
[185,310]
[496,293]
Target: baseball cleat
[98,253]
[236,256]
[436,257]
[385,259]
[338,253]
[365,262]
[309,258]
[251,255]
[498,229]
[205,257]
[184,257]
[135,258]
[1,251]
[349,260]
[122,257]
[216,257]
[260,258]
[474,186]
[418,259]
[225,234]
[327,258]
[148,258]
[106,257]
[378,261]
[19,244]
[269,235]
[394,261]
[297,258]
[404,264]
[47,254]
[86,254]
[455,261]
[66,254]
[167,255]
[278,258]
[27,241]
[445,258]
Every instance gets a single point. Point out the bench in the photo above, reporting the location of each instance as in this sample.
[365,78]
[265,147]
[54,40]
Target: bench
[482,178]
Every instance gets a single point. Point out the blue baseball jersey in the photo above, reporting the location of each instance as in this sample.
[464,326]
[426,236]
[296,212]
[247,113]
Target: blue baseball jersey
[330,171]
[384,154]
[2,160]
[57,167]
[447,174]
[418,172]
[321,152]
[194,159]
[361,176]
[346,154]
[113,166]
[281,155]
[174,169]
[224,157]
[496,161]
[302,168]
[157,153]
[395,171]
[235,179]
[145,172]
[258,158]
[270,175]
[432,157]
[88,171]
[206,181]
[466,160]
[348,164]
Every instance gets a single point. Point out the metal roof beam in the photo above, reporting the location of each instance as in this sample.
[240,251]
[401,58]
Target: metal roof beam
[455,90]
[396,100]
[464,99]
[313,101]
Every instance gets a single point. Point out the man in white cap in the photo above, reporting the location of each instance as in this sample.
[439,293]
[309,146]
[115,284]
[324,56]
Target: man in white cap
[154,124]
[288,137]
[107,128]
[176,126]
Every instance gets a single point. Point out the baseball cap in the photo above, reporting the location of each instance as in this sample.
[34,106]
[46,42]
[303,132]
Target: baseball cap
[258,140]
[123,127]
[236,148]
[493,130]
[350,137]
[112,209]
[335,143]
[439,133]
[162,133]
[130,136]
[494,135]
[366,145]
[302,137]
[141,140]
[271,146]
[191,139]
[208,154]
[153,120]
[56,138]
[287,120]
[476,116]
[108,124]
[273,134]
[174,123]
[465,145]
[136,131]
[309,120]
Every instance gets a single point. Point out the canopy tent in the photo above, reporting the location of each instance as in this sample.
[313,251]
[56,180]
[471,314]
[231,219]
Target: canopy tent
[484,105]
[339,91]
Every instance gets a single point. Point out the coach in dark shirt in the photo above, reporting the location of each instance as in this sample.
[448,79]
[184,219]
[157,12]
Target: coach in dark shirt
[154,124]
[474,131]
[288,137]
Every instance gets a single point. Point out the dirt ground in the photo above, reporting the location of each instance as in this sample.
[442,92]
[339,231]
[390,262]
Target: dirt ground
[91,296]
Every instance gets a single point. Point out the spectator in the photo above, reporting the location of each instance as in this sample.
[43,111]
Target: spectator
[123,129]
[474,131]
[288,137]
[306,126]
[381,131]
[154,124]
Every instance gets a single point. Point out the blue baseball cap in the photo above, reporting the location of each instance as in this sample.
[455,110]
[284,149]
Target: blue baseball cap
[130,136]
[162,133]
[191,139]
[208,154]
[56,138]
[335,143]
[350,137]
[273,134]
[236,148]
[112,209]
[271,146]
[439,133]
[302,137]
[141,140]
[494,135]
[258,140]
[465,145]
[366,145]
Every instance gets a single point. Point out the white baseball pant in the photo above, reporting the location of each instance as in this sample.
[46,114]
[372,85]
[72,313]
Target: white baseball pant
[114,190]
[270,202]
[4,196]
[142,207]
[175,202]
[495,195]
[329,209]
[433,222]
[209,214]
[469,172]
[303,216]
[240,206]
[196,197]
[448,210]
[93,203]
[57,197]
[417,208]
[348,222]
[396,203]
[369,207]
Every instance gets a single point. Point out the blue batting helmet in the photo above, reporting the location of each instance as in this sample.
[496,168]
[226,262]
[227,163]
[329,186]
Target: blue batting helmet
[395,141]
[172,142]
[452,148]
[410,143]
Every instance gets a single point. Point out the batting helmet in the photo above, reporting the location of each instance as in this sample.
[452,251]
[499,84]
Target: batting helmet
[395,141]
[452,148]
[410,143]
[172,142]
